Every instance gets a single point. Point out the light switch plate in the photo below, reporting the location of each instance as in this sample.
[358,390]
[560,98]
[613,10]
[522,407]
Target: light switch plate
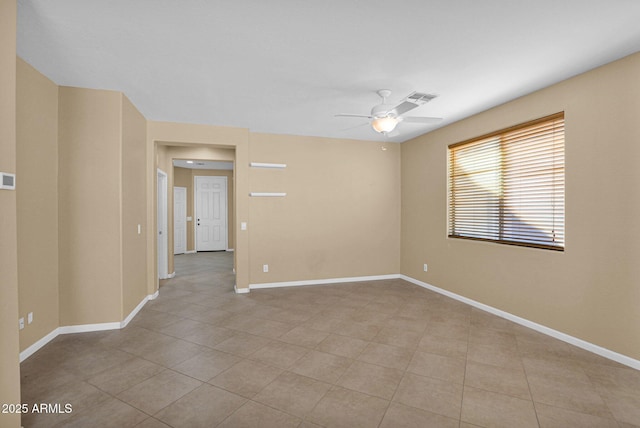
[7,181]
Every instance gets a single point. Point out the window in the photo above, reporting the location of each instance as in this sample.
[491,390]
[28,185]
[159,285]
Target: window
[508,186]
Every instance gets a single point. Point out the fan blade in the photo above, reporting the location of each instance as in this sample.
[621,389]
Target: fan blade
[424,120]
[392,134]
[353,115]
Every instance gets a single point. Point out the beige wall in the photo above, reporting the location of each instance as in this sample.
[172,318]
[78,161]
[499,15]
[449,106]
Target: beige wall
[341,215]
[134,207]
[182,178]
[592,290]
[9,351]
[89,206]
[37,151]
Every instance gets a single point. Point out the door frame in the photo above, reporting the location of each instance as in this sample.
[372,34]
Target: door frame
[163,241]
[195,209]
[183,221]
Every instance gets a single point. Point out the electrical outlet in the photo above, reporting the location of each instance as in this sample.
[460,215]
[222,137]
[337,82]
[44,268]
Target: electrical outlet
[21,323]
[265,268]
[29,317]
[424,267]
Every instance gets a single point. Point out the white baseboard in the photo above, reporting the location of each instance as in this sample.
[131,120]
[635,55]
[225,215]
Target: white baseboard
[84,328]
[135,310]
[240,290]
[39,344]
[190,252]
[603,352]
[230,250]
[322,281]
[171,275]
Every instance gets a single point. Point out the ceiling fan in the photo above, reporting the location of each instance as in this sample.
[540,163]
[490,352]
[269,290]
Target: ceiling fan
[385,117]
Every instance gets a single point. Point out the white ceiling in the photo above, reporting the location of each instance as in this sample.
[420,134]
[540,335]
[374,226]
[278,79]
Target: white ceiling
[286,66]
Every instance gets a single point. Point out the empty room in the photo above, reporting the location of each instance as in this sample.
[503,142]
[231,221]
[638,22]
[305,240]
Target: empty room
[339,214]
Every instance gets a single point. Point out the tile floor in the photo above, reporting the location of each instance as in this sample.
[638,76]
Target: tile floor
[371,354]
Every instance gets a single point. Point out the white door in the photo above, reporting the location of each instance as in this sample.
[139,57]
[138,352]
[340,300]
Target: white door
[162,226]
[179,220]
[211,213]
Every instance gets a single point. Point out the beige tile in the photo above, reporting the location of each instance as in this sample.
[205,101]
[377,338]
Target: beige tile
[256,415]
[432,395]
[399,416]
[555,417]
[279,354]
[154,319]
[570,395]
[497,410]
[159,391]
[481,318]
[321,366]
[555,369]
[323,323]
[94,360]
[349,409]
[613,378]
[572,387]
[562,384]
[203,333]
[182,328]
[212,316]
[624,406]
[293,393]
[111,413]
[386,355]
[304,336]
[446,368]
[80,395]
[357,330]
[206,365]
[371,379]
[170,352]
[37,383]
[242,344]
[446,346]
[152,423]
[203,407]
[398,337]
[370,316]
[342,345]
[268,328]
[497,379]
[246,378]
[501,356]
[448,328]
[293,315]
[126,375]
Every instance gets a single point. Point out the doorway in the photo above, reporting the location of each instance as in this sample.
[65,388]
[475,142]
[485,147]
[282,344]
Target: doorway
[162,235]
[179,220]
[211,213]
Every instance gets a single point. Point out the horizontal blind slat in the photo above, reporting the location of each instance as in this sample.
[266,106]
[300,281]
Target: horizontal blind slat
[509,187]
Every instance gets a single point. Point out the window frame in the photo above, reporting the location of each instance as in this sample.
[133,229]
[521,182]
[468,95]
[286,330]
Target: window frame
[501,224]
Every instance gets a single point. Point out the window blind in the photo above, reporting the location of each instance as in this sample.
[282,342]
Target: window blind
[508,186]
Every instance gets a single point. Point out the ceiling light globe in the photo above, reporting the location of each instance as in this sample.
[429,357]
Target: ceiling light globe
[384,124]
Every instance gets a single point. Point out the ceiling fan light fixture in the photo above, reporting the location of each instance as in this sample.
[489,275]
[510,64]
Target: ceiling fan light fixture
[384,124]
